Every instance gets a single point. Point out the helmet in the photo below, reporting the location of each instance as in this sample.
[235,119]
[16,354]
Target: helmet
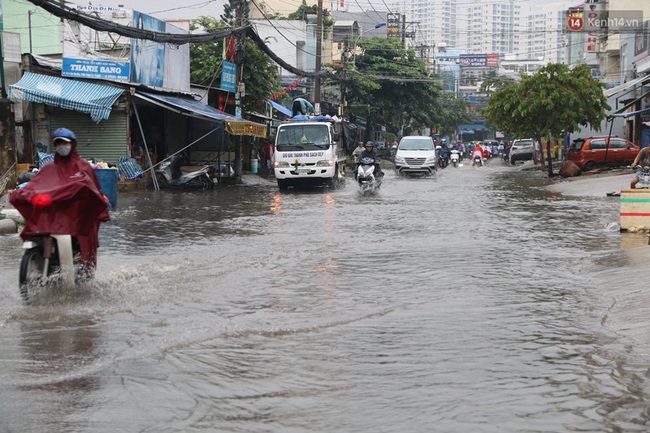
[64,134]
[370,144]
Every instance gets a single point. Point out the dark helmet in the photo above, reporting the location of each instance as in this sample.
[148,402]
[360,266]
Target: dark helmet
[370,144]
[64,134]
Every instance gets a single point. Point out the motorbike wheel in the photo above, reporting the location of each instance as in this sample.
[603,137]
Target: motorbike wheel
[162,180]
[206,183]
[31,269]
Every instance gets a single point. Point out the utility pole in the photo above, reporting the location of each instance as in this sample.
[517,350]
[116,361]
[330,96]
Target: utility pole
[319,54]
[239,61]
[29,20]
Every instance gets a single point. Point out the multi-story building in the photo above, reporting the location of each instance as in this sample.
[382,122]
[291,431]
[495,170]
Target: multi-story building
[490,28]
[259,9]
[544,35]
[433,21]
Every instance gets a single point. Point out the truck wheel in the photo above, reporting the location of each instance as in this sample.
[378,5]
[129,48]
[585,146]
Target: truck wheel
[283,184]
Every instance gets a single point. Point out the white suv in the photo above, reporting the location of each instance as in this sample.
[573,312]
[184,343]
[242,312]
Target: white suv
[522,150]
[415,155]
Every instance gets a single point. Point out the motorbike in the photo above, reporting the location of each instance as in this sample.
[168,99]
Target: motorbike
[50,259]
[60,236]
[644,178]
[366,179]
[455,157]
[173,173]
[477,160]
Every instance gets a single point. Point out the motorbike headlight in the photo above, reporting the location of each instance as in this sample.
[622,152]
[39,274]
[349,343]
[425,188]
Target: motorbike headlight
[325,163]
[280,164]
[399,159]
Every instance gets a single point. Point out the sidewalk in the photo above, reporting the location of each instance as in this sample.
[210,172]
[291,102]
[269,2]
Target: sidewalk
[595,185]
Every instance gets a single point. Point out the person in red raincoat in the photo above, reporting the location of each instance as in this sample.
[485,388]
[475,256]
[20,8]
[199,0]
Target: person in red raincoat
[64,198]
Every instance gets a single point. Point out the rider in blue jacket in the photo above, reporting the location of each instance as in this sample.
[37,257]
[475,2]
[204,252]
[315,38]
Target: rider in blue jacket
[370,152]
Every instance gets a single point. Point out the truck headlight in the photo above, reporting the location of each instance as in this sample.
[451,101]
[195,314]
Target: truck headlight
[430,159]
[399,159]
[280,164]
[325,163]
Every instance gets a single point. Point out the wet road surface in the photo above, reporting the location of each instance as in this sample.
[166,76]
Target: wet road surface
[476,300]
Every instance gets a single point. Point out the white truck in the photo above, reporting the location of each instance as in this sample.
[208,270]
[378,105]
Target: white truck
[309,152]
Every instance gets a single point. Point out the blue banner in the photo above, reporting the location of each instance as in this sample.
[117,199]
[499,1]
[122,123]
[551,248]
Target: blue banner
[96,69]
[229,77]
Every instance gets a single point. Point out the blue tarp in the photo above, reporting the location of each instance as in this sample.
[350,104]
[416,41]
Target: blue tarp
[282,109]
[94,99]
[189,106]
[631,113]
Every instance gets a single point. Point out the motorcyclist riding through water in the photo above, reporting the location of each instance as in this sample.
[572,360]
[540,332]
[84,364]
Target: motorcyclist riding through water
[370,152]
[64,197]
[444,151]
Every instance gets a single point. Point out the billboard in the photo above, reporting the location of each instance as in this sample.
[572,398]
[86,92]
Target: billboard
[102,55]
[479,60]
[393,26]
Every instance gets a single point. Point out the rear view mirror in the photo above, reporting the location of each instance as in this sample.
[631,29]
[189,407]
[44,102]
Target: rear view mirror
[336,136]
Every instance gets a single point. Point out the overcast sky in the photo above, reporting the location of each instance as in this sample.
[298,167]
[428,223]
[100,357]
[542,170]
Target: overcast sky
[170,9]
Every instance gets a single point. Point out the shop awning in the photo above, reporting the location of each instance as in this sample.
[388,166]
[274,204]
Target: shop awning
[282,109]
[94,99]
[625,86]
[631,113]
[194,108]
[621,111]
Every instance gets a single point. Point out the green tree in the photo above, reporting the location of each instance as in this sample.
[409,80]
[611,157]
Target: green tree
[304,11]
[260,73]
[551,103]
[388,85]
[451,113]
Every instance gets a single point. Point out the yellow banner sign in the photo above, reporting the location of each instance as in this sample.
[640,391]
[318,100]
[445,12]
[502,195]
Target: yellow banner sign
[246,128]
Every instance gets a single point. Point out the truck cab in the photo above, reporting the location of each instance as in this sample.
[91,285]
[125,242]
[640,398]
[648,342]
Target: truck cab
[308,152]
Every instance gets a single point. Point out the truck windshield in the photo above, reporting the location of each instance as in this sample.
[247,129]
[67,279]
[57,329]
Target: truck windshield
[302,137]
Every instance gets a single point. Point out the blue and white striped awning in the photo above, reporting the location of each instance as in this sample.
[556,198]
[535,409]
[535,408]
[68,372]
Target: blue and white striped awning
[94,99]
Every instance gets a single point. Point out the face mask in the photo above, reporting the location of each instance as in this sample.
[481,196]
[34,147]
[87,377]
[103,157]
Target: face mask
[63,149]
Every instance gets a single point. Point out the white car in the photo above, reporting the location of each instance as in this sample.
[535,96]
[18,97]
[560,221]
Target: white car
[415,155]
[522,150]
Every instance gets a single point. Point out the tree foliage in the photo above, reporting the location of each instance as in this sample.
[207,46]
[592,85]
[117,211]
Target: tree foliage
[551,103]
[260,73]
[303,11]
[388,85]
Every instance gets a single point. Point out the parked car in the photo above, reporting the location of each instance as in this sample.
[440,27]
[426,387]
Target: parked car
[415,155]
[591,152]
[522,150]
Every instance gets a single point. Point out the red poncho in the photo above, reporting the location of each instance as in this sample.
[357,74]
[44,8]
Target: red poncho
[64,198]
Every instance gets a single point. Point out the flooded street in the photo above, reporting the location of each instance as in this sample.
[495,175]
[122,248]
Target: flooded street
[473,301]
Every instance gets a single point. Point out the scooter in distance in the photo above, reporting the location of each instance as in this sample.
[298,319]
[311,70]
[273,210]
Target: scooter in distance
[477,160]
[455,157]
[172,173]
[366,179]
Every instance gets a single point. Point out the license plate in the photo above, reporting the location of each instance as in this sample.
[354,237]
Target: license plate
[304,170]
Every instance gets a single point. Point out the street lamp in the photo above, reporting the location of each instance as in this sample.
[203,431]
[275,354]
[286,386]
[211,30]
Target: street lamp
[354,47]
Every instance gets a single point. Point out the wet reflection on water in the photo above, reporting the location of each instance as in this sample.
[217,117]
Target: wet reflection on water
[474,300]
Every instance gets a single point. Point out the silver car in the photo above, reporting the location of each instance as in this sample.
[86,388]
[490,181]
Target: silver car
[522,150]
[415,155]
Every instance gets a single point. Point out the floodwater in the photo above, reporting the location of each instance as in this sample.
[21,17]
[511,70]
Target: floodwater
[472,301]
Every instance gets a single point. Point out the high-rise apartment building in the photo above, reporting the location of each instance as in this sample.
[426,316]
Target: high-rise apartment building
[433,21]
[490,27]
[544,37]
